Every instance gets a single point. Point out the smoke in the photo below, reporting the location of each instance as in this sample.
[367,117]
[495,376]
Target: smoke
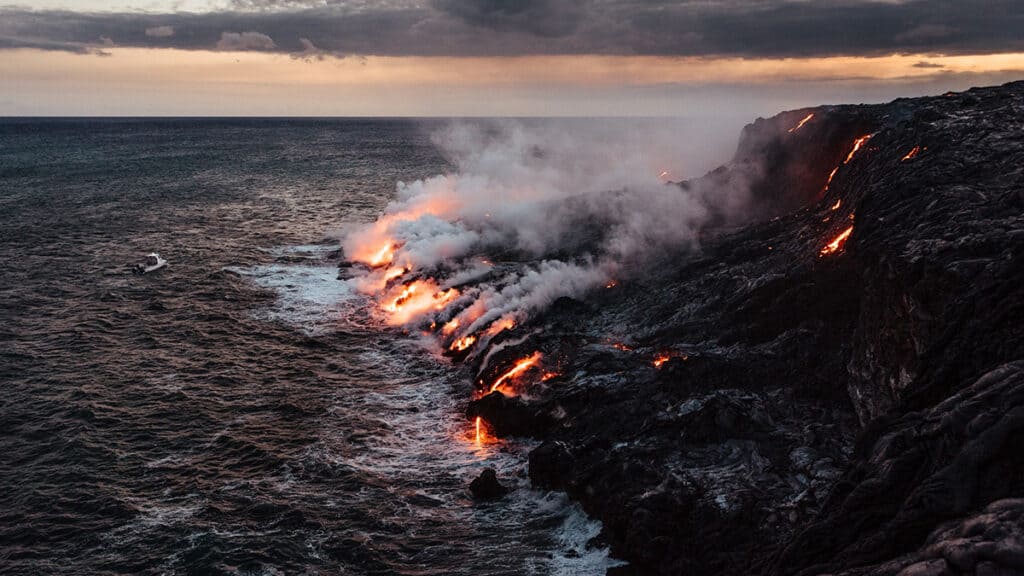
[534,212]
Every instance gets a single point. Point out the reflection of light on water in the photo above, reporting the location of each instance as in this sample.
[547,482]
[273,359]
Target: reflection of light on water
[400,429]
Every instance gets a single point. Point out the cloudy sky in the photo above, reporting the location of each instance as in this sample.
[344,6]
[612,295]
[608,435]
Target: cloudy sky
[494,57]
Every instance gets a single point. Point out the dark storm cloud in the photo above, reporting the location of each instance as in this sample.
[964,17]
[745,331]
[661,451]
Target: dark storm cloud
[551,18]
[746,28]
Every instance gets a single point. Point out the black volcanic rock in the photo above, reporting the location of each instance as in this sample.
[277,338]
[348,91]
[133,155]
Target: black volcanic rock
[918,470]
[510,416]
[859,412]
[486,486]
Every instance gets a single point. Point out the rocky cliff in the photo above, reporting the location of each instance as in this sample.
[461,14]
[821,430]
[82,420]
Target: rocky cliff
[833,386]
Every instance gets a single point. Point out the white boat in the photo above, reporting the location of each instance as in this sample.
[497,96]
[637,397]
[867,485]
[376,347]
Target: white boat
[153,262]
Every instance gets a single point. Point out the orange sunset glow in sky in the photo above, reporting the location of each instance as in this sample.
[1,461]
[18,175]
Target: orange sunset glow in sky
[492,57]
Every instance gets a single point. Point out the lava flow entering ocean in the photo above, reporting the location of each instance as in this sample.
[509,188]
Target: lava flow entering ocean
[518,368]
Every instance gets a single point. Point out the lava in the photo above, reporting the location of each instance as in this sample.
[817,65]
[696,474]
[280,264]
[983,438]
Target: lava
[839,202]
[477,424]
[416,299]
[856,146]
[500,325]
[830,177]
[660,360]
[621,346]
[519,367]
[393,273]
[802,122]
[913,152]
[838,243]
[463,343]
[383,256]
[611,284]
[450,326]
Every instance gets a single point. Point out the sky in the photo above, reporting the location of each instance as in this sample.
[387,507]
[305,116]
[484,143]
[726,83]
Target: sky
[687,58]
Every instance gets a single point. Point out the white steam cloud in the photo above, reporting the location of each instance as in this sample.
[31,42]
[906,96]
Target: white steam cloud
[535,212]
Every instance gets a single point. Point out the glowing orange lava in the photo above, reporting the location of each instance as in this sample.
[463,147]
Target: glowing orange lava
[519,367]
[856,146]
[505,323]
[913,152]
[839,202]
[611,284]
[383,256]
[548,376]
[416,299]
[660,360]
[393,273]
[802,122]
[838,243]
[623,347]
[463,343]
[830,177]
[478,437]
[450,326]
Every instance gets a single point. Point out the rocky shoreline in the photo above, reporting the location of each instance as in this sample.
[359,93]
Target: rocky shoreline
[800,396]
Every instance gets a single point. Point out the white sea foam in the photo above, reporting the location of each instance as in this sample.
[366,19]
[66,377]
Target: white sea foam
[309,295]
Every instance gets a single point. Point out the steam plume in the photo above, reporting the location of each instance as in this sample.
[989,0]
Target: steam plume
[533,213]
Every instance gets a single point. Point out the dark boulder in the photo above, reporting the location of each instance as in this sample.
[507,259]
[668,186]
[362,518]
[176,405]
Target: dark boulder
[486,486]
[510,415]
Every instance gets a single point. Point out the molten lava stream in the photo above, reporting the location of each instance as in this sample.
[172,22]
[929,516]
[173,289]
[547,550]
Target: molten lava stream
[802,122]
[856,146]
[500,325]
[381,257]
[837,244]
[450,326]
[462,343]
[480,435]
[416,299]
[520,366]
[913,152]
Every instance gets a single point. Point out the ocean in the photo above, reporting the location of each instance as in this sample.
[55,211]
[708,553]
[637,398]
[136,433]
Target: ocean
[240,411]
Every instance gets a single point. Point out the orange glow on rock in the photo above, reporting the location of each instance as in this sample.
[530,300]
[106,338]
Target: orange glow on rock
[499,326]
[660,360]
[802,122]
[382,256]
[450,326]
[839,202]
[838,243]
[517,369]
[463,343]
[830,177]
[913,152]
[415,299]
[393,273]
[856,147]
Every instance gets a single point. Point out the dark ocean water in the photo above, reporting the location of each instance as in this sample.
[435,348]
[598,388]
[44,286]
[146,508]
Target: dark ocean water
[239,411]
